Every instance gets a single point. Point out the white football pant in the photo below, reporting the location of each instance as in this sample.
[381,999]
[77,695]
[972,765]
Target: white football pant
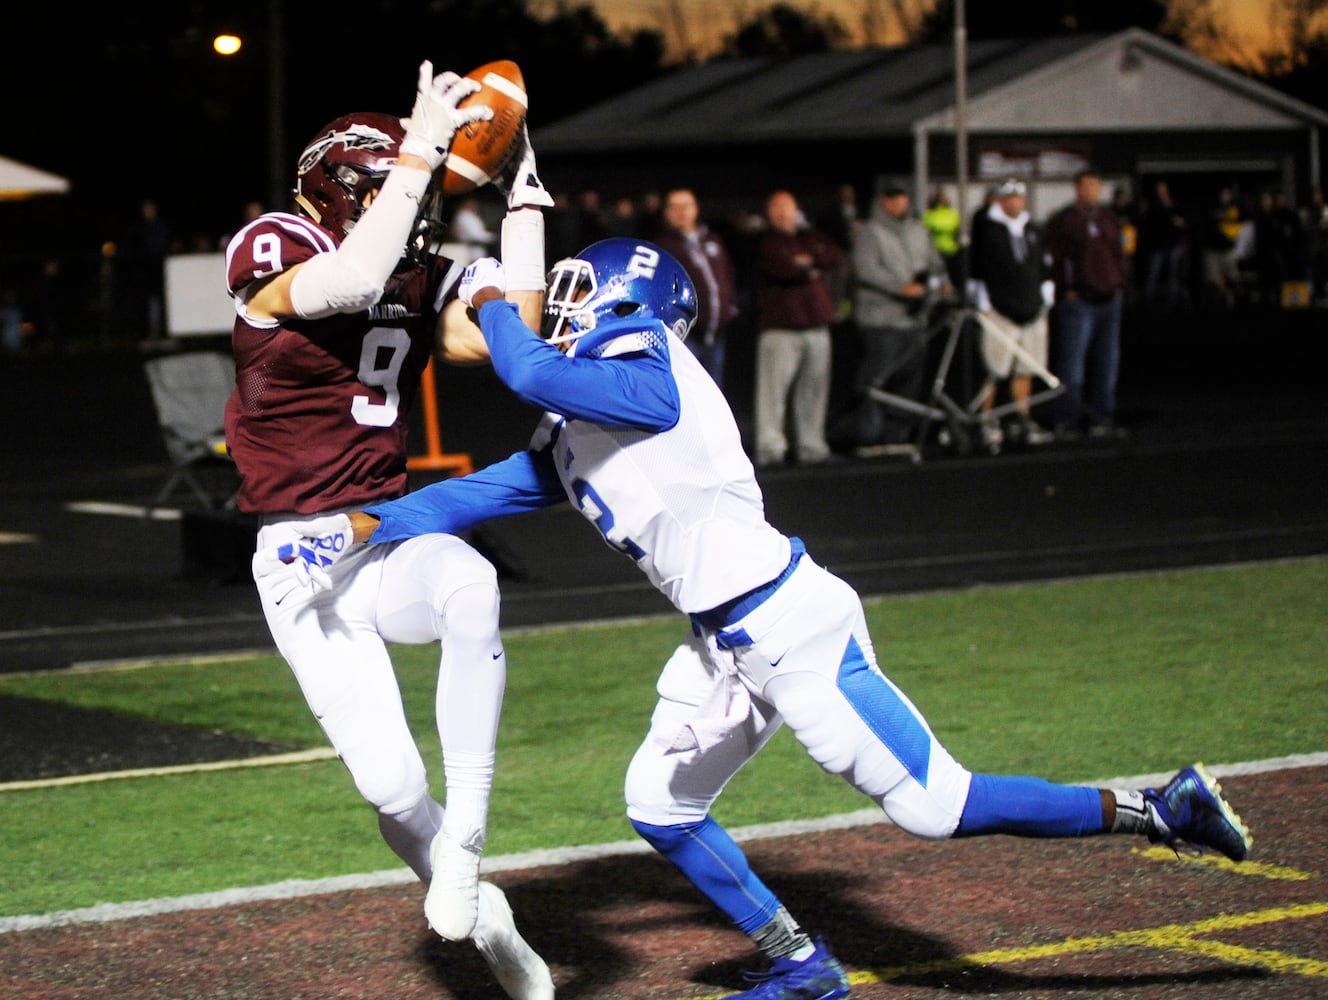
[803,657]
[434,588]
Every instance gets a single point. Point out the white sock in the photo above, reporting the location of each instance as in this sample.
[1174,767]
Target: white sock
[1133,813]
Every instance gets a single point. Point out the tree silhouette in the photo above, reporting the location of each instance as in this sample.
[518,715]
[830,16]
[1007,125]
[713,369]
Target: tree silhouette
[782,30]
[1040,18]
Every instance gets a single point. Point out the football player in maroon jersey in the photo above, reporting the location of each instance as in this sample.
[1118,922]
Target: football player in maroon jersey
[340,304]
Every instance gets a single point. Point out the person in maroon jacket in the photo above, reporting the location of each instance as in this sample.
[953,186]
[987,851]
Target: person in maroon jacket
[794,310]
[707,261]
[1088,266]
[339,305]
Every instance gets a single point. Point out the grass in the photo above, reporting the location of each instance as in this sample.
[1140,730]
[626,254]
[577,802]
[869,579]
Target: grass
[1070,680]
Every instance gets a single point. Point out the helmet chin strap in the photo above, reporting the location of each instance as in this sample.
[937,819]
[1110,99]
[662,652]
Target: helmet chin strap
[308,207]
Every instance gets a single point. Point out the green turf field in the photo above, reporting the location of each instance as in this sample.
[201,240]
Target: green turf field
[1070,680]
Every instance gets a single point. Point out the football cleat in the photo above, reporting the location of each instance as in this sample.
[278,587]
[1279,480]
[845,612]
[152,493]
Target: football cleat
[520,971]
[452,903]
[817,977]
[1191,809]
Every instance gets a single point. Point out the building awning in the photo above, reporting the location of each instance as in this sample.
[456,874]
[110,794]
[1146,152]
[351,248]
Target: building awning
[18,181]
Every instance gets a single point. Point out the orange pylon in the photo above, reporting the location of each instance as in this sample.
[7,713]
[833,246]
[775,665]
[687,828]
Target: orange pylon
[434,458]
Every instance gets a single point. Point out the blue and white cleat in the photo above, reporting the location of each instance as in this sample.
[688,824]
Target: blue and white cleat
[817,977]
[1191,809]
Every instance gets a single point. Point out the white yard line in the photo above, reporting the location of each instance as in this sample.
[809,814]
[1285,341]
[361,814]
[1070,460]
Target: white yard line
[123,510]
[272,760]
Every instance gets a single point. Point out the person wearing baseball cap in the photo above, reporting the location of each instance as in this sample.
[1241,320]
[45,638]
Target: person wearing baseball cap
[1012,292]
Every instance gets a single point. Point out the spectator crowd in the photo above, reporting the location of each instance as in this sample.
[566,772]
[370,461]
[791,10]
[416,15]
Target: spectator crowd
[823,304]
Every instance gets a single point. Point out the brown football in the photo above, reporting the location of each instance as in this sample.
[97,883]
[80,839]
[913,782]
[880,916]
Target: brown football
[481,149]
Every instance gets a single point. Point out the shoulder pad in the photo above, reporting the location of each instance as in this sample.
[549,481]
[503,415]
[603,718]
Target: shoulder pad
[628,336]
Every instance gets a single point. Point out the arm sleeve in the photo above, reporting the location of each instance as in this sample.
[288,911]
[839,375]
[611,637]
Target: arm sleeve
[523,482]
[635,390]
[352,278]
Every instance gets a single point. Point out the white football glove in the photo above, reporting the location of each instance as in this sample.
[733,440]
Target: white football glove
[321,542]
[520,182]
[487,272]
[435,118]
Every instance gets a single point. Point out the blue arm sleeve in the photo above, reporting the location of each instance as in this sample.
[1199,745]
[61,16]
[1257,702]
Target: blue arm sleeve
[636,391]
[520,483]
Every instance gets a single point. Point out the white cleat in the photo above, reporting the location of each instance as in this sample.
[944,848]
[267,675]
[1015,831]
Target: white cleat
[520,971]
[452,903]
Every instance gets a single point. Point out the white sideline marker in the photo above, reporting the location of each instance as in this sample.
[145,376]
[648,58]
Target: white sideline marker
[298,888]
[123,510]
[271,760]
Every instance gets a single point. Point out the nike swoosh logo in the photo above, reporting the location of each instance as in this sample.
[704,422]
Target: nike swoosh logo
[775,663]
[278,601]
[498,654]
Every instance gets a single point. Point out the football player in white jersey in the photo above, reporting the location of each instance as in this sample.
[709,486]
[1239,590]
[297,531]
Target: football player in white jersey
[643,442]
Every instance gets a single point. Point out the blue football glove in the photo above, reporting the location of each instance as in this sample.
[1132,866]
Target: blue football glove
[322,542]
[487,272]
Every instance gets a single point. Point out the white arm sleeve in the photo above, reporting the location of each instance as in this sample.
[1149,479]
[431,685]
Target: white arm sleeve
[523,250]
[352,277]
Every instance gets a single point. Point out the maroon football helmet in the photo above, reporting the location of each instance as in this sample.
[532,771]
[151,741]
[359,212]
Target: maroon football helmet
[348,160]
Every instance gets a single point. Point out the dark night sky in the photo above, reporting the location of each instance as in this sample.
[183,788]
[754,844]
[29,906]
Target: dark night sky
[129,102]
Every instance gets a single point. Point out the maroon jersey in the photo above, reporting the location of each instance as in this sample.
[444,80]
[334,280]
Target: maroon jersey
[317,419]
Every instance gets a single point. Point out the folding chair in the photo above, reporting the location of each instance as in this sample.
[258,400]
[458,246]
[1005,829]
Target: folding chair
[189,392]
[950,403]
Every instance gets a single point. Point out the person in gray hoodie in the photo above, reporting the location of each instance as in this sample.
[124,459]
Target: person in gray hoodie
[898,272]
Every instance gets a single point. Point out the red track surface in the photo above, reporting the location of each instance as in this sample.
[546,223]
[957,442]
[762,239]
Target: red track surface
[1106,917]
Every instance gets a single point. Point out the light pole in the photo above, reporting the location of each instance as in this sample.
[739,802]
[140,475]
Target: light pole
[961,123]
[230,44]
[276,108]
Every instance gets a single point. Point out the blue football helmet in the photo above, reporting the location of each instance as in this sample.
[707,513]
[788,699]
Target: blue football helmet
[616,279]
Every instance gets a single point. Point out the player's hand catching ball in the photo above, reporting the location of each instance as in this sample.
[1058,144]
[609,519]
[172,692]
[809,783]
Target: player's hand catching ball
[436,118]
[321,543]
[520,182]
[487,272]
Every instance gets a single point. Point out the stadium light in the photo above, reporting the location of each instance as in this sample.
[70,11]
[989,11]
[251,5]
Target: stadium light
[227,45]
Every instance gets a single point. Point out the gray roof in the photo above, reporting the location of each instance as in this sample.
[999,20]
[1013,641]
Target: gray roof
[872,93]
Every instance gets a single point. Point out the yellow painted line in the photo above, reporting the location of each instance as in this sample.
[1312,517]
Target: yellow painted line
[16,538]
[1254,868]
[1169,937]
[272,760]
[1273,961]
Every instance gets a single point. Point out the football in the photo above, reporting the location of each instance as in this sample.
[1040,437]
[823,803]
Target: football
[481,149]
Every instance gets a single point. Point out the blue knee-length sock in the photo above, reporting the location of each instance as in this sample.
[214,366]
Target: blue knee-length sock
[1030,807]
[715,864]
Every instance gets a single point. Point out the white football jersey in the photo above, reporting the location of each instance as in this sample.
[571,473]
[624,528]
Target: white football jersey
[684,503]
